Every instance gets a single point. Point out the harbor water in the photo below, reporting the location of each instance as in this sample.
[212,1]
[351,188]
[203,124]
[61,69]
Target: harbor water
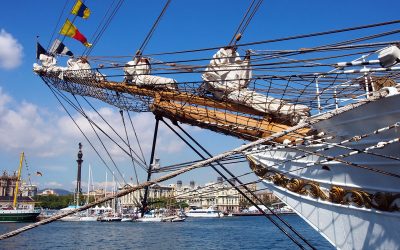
[195,233]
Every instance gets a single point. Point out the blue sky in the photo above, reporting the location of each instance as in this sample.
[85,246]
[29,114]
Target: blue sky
[31,119]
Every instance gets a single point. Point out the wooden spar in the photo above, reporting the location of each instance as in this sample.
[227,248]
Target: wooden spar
[177,96]
[220,116]
[232,124]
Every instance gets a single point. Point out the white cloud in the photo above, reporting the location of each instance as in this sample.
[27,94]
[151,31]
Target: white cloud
[52,184]
[144,126]
[50,138]
[26,126]
[10,51]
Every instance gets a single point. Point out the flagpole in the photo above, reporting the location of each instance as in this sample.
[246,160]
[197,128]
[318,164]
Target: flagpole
[37,42]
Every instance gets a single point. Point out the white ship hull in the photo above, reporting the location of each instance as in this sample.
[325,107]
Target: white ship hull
[351,206]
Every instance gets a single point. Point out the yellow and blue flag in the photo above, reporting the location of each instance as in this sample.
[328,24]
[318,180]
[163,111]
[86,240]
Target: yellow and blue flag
[81,10]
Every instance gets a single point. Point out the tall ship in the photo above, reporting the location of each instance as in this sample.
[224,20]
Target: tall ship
[321,122]
[15,212]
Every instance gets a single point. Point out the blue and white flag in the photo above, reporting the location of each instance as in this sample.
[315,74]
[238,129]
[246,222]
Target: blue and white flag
[59,48]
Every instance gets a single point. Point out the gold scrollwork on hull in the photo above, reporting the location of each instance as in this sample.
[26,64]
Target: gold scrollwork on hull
[388,202]
[337,195]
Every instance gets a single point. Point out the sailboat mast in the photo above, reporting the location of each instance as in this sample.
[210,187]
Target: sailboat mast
[88,190]
[18,179]
[105,186]
[113,191]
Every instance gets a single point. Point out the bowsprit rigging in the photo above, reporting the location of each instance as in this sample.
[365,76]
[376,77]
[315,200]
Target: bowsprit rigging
[322,120]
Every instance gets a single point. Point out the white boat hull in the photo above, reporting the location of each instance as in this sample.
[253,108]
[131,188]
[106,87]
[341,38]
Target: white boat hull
[126,220]
[364,212]
[89,218]
[70,219]
[110,219]
[150,219]
[204,215]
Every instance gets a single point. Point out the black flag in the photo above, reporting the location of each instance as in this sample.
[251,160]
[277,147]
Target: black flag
[40,50]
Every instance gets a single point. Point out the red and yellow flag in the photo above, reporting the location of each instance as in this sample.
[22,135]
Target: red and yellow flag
[68,29]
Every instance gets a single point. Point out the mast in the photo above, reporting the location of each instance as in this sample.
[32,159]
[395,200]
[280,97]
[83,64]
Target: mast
[17,182]
[153,148]
[88,191]
[113,192]
[105,187]
[78,178]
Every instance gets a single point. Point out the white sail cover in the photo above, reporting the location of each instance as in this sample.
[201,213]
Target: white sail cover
[78,64]
[48,63]
[81,68]
[138,72]
[227,72]
[227,77]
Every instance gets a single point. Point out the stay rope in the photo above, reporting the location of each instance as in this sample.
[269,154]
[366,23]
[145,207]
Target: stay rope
[200,164]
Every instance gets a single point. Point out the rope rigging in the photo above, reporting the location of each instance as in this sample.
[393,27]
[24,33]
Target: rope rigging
[100,129]
[151,32]
[56,26]
[130,149]
[305,76]
[240,191]
[137,139]
[187,169]
[104,24]
[77,125]
[100,140]
[282,39]
[116,133]
[245,21]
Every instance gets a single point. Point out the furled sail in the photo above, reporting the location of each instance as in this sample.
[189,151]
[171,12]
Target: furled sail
[138,72]
[227,77]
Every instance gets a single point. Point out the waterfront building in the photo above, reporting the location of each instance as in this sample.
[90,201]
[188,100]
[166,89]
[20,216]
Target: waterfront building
[7,184]
[28,190]
[219,195]
[267,197]
[7,190]
[156,191]
[48,192]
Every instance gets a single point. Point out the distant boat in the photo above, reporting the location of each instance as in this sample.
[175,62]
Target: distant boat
[253,211]
[178,219]
[205,213]
[149,219]
[17,213]
[70,218]
[90,214]
[110,218]
[157,216]
[88,218]
[127,219]
[151,216]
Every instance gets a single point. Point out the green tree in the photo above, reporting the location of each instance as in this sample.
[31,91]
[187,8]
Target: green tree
[54,201]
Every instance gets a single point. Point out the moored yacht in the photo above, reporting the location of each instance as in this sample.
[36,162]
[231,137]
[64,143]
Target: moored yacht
[210,212]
